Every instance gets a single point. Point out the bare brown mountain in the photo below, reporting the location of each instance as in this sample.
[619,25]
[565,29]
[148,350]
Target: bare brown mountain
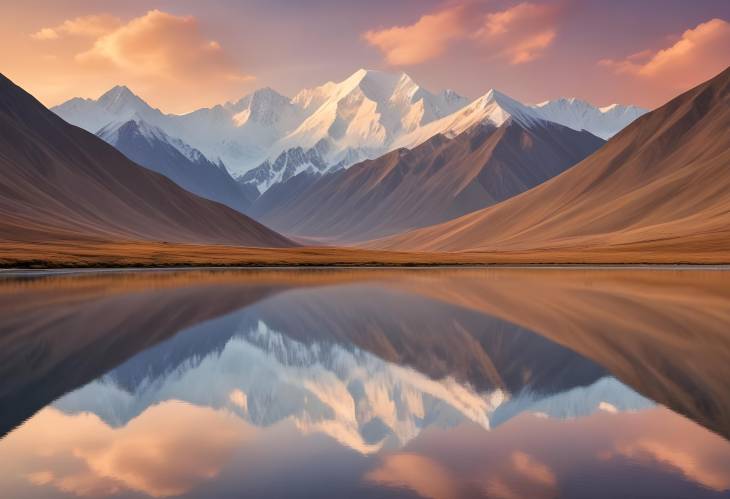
[437,181]
[661,186]
[61,183]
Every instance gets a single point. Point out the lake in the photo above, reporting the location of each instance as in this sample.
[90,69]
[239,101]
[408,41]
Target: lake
[436,383]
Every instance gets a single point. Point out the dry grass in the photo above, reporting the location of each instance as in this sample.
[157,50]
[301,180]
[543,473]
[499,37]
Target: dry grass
[142,254]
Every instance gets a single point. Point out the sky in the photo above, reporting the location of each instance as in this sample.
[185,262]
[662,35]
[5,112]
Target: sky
[180,55]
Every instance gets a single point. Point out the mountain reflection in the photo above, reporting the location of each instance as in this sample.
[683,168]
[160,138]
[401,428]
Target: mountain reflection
[462,383]
[348,394]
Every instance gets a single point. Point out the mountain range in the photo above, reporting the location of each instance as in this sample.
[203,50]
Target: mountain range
[660,185]
[362,117]
[62,183]
[493,179]
[438,180]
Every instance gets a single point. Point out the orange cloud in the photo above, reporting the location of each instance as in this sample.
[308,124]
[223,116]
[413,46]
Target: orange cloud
[699,54]
[521,33]
[530,48]
[93,25]
[532,469]
[163,45]
[506,20]
[691,462]
[418,473]
[428,38]
[523,476]
[158,453]
[166,58]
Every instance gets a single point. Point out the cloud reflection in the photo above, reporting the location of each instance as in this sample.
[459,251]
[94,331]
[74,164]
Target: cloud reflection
[165,451]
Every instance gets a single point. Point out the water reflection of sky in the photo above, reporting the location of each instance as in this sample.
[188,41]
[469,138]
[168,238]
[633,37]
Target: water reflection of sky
[300,395]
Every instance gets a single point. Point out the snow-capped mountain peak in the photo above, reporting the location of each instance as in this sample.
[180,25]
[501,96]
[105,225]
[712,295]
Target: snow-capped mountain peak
[498,107]
[117,104]
[493,108]
[264,106]
[365,115]
[578,114]
[121,98]
[137,127]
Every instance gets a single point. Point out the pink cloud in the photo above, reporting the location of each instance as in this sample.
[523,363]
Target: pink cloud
[155,454]
[692,461]
[92,25]
[505,21]
[521,33]
[163,45]
[416,472]
[522,476]
[532,469]
[700,53]
[428,38]
[530,48]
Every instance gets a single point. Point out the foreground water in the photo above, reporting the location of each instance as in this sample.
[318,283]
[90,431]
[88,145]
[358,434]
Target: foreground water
[500,383]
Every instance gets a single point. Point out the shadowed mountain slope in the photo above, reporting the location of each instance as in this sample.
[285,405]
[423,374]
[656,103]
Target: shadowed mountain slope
[152,148]
[437,181]
[62,183]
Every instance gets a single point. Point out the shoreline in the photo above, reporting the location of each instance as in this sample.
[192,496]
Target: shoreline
[60,271]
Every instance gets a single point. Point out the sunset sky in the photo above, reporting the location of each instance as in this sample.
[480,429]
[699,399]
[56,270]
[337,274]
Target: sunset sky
[183,54]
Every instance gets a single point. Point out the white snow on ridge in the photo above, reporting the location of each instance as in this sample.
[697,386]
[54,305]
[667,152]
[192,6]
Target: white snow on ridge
[366,112]
[604,122]
[493,108]
[152,134]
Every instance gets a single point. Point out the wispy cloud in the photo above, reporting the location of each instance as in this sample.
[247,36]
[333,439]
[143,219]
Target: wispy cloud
[698,54]
[163,45]
[90,26]
[521,33]
[518,34]
[165,58]
[426,39]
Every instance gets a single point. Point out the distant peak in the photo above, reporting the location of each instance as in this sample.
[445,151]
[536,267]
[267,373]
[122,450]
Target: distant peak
[494,95]
[267,91]
[117,92]
[357,76]
[133,125]
[376,83]
[378,75]
[120,97]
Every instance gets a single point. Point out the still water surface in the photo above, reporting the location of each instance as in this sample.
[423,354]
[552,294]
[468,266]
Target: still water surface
[503,383]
